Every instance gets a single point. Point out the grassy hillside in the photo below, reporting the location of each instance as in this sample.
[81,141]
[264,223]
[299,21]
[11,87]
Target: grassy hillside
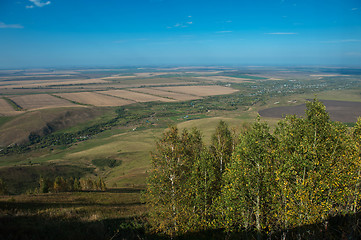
[17,129]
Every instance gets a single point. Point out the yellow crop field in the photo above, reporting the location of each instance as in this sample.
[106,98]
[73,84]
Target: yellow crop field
[40,101]
[95,99]
[167,94]
[200,90]
[136,96]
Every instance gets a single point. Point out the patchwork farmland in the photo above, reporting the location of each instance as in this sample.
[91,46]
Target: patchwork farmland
[135,96]
[95,99]
[40,101]
[167,94]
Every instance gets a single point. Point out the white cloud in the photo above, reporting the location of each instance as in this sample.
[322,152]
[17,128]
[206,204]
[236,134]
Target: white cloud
[3,25]
[189,22]
[282,33]
[31,6]
[39,3]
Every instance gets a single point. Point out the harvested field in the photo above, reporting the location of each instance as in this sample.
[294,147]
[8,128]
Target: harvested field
[6,109]
[173,95]
[200,90]
[225,79]
[152,74]
[341,111]
[48,83]
[95,99]
[39,101]
[135,96]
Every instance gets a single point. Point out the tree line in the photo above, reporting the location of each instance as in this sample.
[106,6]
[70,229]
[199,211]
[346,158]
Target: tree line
[303,172]
[60,184]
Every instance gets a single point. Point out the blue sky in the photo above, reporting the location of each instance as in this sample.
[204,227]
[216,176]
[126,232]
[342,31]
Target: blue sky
[63,33]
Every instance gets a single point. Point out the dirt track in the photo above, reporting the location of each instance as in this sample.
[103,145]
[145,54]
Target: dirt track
[339,110]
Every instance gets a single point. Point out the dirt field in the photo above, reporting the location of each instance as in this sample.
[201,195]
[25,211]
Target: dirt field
[135,96]
[6,109]
[40,101]
[341,111]
[202,91]
[173,95]
[94,99]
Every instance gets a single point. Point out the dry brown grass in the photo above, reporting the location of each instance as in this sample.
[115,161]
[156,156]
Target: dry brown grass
[173,95]
[200,90]
[135,96]
[6,109]
[40,101]
[95,99]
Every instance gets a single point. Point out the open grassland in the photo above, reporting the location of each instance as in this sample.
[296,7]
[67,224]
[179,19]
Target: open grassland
[200,90]
[6,109]
[40,101]
[75,215]
[135,96]
[131,149]
[167,94]
[95,99]
[207,125]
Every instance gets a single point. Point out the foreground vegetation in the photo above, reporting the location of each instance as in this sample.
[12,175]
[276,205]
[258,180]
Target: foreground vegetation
[304,173]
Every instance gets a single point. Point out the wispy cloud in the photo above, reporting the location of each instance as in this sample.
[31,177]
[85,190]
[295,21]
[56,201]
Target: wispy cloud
[282,33]
[39,3]
[354,9]
[342,41]
[3,25]
[182,24]
[30,6]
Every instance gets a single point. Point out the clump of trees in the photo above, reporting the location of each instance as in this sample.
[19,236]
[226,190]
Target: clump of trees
[304,172]
[59,184]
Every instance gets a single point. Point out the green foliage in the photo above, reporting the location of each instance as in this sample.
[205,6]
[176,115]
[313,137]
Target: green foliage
[248,180]
[169,182]
[302,173]
[106,162]
[70,184]
[44,185]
